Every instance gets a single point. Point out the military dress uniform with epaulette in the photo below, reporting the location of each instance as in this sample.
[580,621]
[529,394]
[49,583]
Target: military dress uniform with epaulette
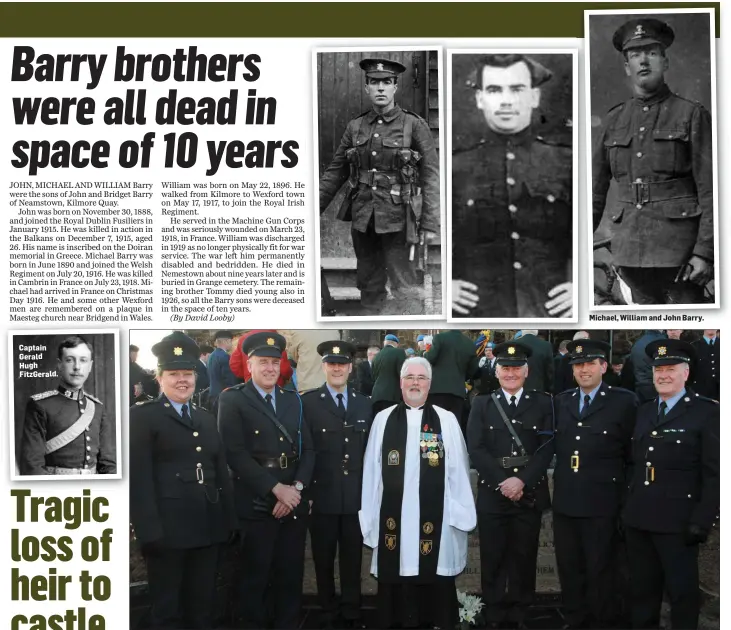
[508,530]
[67,432]
[266,446]
[512,222]
[592,447]
[340,435]
[388,158]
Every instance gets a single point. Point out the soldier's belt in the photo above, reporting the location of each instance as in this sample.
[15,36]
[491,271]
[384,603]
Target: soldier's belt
[510,462]
[641,193]
[277,462]
[58,470]
[381,179]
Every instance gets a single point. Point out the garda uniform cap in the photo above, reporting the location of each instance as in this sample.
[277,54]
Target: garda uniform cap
[264,344]
[539,74]
[177,351]
[512,353]
[642,32]
[336,351]
[670,352]
[586,350]
[223,334]
[382,68]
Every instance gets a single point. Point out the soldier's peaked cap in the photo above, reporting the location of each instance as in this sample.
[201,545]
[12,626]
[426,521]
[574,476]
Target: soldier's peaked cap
[382,68]
[586,350]
[264,344]
[336,351]
[512,353]
[670,352]
[177,351]
[642,32]
[539,74]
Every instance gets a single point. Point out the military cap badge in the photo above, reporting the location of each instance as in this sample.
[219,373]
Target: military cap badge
[662,351]
[177,351]
[579,349]
[270,341]
[379,66]
[511,350]
[336,349]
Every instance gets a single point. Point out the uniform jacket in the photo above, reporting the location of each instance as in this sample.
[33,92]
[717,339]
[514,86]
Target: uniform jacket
[202,381]
[250,435]
[512,217]
[49,414]
[540,364]
[387,374]
[488,439]
[168,458]
[707,368]
[593,484]
[659,152]
[219,372]
[486,374]
[340,441]
[642,364]
[379,140]
[453,360]
[364,377]
[238,361]
[683,453]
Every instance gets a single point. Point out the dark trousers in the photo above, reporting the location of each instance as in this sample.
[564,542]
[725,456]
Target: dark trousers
[585,552]
[450,402]
[380,405]
[384,257]
[656,285]
[272,568]
[660,562]
[182,584]
[330,533]
[508,556]
[411,604]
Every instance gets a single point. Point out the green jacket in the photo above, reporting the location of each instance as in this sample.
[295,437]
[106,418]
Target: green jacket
[387,374]
[453,359]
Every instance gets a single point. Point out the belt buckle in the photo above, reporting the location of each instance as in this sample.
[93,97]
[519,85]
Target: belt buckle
[505,462]
[199,475]
[282,461]
[642,192]
[574,462]
[650,474]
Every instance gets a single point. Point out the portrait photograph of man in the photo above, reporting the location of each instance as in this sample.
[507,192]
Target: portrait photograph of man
[651,92]
[64,402]
[377,136]
[512,184]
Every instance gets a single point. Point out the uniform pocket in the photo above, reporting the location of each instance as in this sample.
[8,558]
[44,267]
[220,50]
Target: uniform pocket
[617,145]
[670,154]
[686,209]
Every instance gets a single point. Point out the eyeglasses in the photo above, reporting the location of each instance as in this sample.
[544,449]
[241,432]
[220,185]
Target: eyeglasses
[418,379]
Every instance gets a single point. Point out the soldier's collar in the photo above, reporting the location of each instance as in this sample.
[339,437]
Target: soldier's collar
[70,393]
[657,97]
[508,140]
[372,115]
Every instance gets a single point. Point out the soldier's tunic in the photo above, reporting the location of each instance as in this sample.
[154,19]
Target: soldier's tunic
[509,531]
[592,454]
[512,222]
[707,370]
[340,439]
[675,483]
[260,455]
[181,507]
[48,416]
[659,151]
[382,154]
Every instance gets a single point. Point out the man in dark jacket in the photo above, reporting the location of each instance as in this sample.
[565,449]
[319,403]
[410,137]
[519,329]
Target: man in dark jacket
[181,501]
[339,419]
[642,365]
[270,453]
[219,372]
[365,371]
[540,362]
[707,369]
[387,374]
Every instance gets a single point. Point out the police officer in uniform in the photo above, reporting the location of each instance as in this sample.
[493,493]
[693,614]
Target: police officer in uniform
[66,431]
[594,425]
[388,157]
[512,205]
[508,437]
[674,491]
[181,501]
[657,147]
[271,457]
[339,419]
[706,379]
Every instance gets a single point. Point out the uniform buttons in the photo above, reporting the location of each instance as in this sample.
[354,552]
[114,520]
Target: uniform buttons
[199,465]
[380,122]
[513,208]
[576,470]
[639,154]
[346,439]
[256,432]
[576,452]
[517,265]
[690,497]
[513,421]
[515,470]
[638,180]
[510,156]
[88,458]
[375,135]
[639,206]
[374,187]
[88,448]
[654,432]
[550,198]
[200,481]
[88,439]
[678,441]
[198,448]
[645,109]
[647,483]
[345,472]
[605,432]
[652,448]
[515,236]
[581,424]
[483,481]
[510,181]
[470,202]
[642,128]
[578,437]
[323,430]
[373,153]
[373,170]
[649,465]
[347,456]
[281,439]
[195,433]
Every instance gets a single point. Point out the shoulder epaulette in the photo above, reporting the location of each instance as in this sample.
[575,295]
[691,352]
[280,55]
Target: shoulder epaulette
[282,390]
[94,398]
[539,391]
[553,142]
[477,145]
[687,100]
[368,111]
[146,402]
[567,391]
[618,106]
[406,111]
[622,390]
[706,398]
[309,391]
[48,394]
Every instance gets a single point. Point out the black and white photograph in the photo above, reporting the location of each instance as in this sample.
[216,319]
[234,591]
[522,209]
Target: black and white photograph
[377,136]
[513,185]
[651,98]
[64,401]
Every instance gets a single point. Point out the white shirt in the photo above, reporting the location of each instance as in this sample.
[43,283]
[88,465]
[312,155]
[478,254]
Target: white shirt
[459,515]
[517,395]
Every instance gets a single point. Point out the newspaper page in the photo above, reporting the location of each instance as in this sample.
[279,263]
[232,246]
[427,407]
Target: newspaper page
[238,258]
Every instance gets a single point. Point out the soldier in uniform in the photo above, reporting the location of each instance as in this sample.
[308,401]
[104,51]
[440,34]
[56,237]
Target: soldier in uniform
[674,490]
[388,162]
[594,425]
[511,203]
[181,501]
[706,380]
[508,437]
[339,419]
[386,370]
[66,431]
[271,457]
[657,147]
